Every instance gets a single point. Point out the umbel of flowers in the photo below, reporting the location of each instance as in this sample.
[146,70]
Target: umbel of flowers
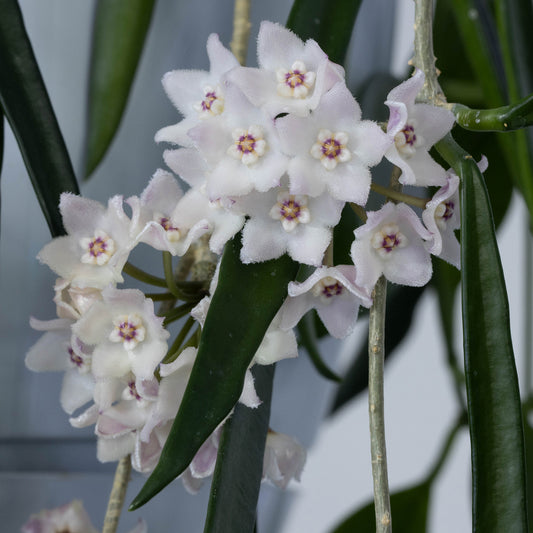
[275,153]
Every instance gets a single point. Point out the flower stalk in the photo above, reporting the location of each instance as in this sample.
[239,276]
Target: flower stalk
[118,493]
[241,30]
[376,363]
[399,196]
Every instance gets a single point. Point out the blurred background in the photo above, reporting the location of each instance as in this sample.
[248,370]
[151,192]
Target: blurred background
[45,463]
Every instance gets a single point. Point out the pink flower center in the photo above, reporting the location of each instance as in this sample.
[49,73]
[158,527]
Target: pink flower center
[127,331]
[294,78]
[331,148]
[97,247]
[246,143]
[290,209]
[409,134]
[333,289]
[448,210]
[75,359]
[166,223]
[133,391]
[390,242]
[207,102]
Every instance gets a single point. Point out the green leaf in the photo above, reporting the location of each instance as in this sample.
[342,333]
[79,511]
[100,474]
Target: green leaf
[330,27]
[239,468]
[409,510]
[27,107]
[495,416]
[308,340]
[119,31]
[343,236]
[243,306]
[480,51]
[528,433]
[401,303]
[514,22]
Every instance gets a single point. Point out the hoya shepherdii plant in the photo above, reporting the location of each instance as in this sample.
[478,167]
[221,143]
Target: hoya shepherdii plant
[283,181]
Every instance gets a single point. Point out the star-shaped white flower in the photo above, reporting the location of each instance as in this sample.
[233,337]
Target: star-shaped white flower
[392,243]
[333,292]
[292,75]
[97,246]
[125,333]
[415,128]
[333,148]
[281,222]
[59,351]
[241,148]
[198,95]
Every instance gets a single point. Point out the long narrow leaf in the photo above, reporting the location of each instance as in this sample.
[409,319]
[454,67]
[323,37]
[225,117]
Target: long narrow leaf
[477,47]
[119,31]
[239,468]
[308,341]
[494,410]
[28,109]
[330,26]
[242,308]
[514,21]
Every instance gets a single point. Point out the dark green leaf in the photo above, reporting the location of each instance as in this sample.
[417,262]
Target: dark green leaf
[528,433]
[308,340]
[500,190]
[495,416]
[409,509]
[28,109]
[239,468]
[514,22]
[478,46]
[401,303]
[330,27]
[343,236]
[242,308]
[119,30]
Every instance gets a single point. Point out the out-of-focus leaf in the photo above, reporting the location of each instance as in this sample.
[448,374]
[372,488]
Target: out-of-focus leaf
[475,28]
[27,107]
[409,509]
[239,468]
[401,303]
[119,31]
[473,21]
[308,341]
[330,26]
[243,306]
[514,21]
[343,236]
[495,416]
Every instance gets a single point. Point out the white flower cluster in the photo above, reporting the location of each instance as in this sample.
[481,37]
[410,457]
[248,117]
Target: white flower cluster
[275,152]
